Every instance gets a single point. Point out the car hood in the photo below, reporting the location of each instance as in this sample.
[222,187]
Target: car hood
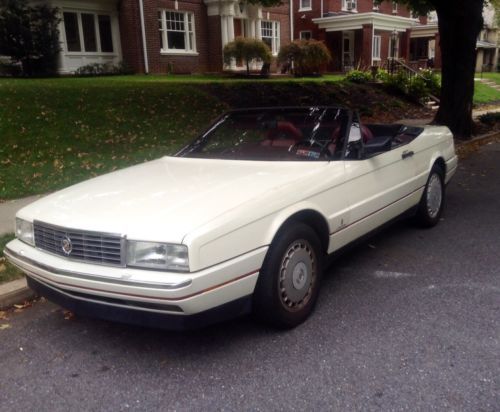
[165,199]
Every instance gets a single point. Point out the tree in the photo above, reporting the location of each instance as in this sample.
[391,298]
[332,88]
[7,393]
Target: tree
[460,23]
[247,49]
[29,36]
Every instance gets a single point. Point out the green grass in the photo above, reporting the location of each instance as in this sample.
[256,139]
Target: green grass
[485,94]
[492,76]
[56,132]
[7,271]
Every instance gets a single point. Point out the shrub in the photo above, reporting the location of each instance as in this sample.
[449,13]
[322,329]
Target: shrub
[29,36]
[358,76]
[398,82]
[103,69]
[432,81]
[307,56]
[246,49]
[417,88]
[490,118]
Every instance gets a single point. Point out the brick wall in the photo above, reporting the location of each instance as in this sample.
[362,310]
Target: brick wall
[130,34]
[208,56]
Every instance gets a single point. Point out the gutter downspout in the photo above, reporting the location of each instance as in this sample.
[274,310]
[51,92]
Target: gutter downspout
[321,8]
[291,20]
[143,32]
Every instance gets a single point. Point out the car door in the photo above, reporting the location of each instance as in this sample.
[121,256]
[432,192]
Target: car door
[379,187]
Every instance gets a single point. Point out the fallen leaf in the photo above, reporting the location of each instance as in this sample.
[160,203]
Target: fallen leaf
[23,306]
[3,315]
[68,315]
[5,326]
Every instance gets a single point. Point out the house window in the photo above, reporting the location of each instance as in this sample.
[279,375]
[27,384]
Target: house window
[349,5]
[305,5]
[376,47]
[176,32]
[270,31]
[375,5]
[394,7]
[88,32]
[305,35]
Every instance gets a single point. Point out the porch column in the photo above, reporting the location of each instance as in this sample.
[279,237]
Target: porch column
[438,62]
[223,26]
[258,31]
[405,45]
[367,46]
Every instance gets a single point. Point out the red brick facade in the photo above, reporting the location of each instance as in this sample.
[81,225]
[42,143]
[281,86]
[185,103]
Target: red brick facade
[208,54]
[381,17]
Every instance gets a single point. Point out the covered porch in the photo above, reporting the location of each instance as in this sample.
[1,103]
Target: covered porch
[365,39]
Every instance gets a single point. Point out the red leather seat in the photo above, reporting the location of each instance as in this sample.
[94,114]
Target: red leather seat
[285,134]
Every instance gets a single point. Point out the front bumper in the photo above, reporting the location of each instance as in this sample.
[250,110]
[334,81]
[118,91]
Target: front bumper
[150,298]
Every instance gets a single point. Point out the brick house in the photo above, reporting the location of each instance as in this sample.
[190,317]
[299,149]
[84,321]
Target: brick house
[159,36]
[361,33]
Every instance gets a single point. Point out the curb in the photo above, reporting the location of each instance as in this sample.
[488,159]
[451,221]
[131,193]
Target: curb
[17,291]
[14,292]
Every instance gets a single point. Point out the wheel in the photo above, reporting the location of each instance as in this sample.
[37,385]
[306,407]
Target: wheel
[288,284]
[432,202]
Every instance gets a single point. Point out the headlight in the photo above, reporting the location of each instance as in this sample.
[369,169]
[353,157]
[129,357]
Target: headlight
[154,255]
[24,231]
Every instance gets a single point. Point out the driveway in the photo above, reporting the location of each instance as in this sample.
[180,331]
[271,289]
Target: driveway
[409,320]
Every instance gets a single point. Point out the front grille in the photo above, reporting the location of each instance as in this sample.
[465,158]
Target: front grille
[95,247]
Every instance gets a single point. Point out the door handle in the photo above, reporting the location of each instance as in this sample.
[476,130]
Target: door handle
[407,153]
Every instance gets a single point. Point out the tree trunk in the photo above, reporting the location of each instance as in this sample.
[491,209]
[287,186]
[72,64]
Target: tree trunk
[459,27]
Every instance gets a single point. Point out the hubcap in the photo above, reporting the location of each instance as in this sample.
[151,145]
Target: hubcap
[297,275]
[434,195]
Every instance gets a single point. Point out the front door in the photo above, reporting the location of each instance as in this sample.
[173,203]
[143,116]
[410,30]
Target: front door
[347,50]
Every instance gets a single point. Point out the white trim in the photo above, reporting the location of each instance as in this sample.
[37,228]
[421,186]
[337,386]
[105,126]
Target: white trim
[143,34]
[178,53]
[424,30]
[188,17]
[377,40]
[356,21]
[305,31]
[275,35]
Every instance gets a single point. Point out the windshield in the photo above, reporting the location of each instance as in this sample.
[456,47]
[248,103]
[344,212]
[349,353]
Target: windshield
[287,134]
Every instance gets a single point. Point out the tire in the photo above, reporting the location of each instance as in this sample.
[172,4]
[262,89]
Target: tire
[431,205]
[290,277]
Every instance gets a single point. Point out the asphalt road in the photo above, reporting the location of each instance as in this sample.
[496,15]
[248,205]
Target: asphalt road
[409,320]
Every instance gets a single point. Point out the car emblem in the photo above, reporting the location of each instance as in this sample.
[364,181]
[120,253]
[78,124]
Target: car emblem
[66,245]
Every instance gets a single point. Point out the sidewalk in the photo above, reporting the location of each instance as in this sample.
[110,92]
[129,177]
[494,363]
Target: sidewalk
[8,211]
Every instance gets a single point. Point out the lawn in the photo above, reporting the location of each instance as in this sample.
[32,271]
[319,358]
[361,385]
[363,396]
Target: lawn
[56,132]
[485,94]
[7,271]
[491,76]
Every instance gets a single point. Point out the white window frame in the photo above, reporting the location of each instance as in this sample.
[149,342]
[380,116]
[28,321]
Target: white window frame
[82,51]
[353,3]
[375,6]
[189,21]
[303,7]
[396,47]
[275,34]
[394,7]
[302,34]
[376,47]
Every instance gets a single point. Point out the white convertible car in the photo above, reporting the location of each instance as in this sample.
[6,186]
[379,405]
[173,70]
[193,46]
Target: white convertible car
[240,220]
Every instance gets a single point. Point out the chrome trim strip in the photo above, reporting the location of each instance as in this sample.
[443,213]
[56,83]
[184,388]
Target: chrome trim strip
[10,254]
[137,307]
